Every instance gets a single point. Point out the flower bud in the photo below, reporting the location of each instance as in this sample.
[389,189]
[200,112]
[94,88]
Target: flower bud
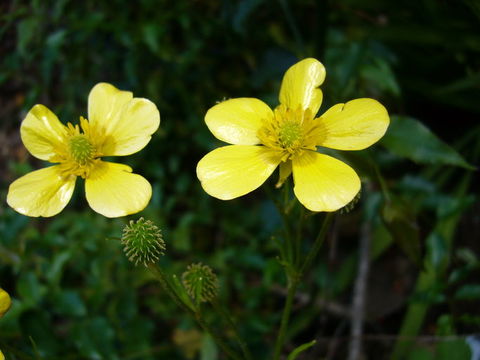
[143,242]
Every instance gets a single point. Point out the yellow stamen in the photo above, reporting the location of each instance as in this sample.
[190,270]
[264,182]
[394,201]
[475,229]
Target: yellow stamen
[80,153]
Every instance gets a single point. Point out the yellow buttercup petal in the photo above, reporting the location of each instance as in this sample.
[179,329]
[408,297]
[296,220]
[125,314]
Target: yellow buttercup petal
[353,126]
[300,85]
[132,129]
[323,183]
[42,133]
[235,170]
[43,192]
[105,104]
[1,355]
[237,121]
[112,190]
[5,302]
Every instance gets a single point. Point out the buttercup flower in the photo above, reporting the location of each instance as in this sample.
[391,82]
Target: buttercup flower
[5,303]
[118,125]
[288,136]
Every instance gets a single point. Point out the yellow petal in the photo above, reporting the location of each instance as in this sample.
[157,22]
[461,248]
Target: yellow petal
[124,123]
[5,302]
[42,133]
[300,85]
[43,192]
[1,355]
[235,170]
[105,102]
[112,190]
[237,121]
[323,183]
[353,126]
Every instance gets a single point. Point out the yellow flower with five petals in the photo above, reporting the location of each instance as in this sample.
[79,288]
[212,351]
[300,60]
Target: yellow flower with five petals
[118,125]
[262,139]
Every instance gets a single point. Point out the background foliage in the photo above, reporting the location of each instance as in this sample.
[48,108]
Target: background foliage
[75,294]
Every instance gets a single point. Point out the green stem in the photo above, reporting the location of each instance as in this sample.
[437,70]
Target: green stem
[318,243]
[223,345]
[167,287]
[226,315]
[298,238]
[163,280]
[292,288]
[293,282]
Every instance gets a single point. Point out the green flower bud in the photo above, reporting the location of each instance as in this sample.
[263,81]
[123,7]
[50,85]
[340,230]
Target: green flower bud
[200,282]
[143,242]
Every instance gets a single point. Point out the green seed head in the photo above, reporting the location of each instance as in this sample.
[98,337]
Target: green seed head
[200,282]
[143,242]
[81,150]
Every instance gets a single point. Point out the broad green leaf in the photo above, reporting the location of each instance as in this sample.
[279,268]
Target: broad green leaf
[409,138]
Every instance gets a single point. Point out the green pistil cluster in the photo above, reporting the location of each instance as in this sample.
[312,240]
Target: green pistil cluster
[143,242]
[81,150]
[290,134]
[200,282]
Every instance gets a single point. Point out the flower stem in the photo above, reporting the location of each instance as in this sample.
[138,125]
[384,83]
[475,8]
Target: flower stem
[167,287]
[225,314]
[294,280]
[317,245]
[292,288]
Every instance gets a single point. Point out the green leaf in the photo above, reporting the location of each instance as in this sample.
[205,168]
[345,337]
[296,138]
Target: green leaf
[455,349]
[293,355]
[468,292]
[409,138]
[70,303]
[209,350]
[401,224]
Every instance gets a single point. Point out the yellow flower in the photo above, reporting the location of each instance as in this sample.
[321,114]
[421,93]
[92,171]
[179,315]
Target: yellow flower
[288,136]
[5,303]
[119,125]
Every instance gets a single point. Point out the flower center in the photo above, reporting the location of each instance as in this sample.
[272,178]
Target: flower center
[290,131]
[289,134]
[81,150]
[79,154]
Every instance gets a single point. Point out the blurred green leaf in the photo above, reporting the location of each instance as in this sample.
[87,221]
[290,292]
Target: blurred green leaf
[209,350]
[294,354]
[400,221]
[30,289]
[451,349]
[69,303]
[411,139]
[468,292]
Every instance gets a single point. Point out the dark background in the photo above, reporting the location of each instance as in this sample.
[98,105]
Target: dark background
[77,297]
